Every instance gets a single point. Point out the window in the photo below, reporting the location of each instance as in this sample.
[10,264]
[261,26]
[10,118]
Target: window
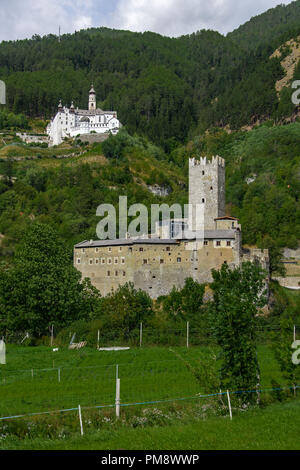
[78,260]
[96,250]
[145,261]
[218,243]
[161,261]
[232,224]
[116,260]
[203,173]
[141,249]
[124,273]
[178,260]
[82,250]
[91,261]
[108,260]
[205,243]
[109,248]
[168,248]
[203,200]
[116,273]
[97,261]
[122,260]
[102,260]
[120,248]
[211,188]
[108,273]
[228,243]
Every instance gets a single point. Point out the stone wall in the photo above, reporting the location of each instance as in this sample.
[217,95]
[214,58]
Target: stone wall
[155,268]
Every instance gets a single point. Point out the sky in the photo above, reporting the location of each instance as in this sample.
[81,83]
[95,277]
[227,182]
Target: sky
[21,19]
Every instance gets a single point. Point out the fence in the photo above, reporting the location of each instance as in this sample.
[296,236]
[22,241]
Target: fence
[185,335]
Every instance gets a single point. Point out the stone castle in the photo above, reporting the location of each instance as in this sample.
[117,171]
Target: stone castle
[73,122]
[165,259]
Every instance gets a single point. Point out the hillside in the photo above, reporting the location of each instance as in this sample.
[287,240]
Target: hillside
[163,88]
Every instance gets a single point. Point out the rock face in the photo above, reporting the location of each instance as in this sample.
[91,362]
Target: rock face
[161,191]
[289,63]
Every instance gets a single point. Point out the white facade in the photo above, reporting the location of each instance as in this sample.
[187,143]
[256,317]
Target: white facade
[71,122]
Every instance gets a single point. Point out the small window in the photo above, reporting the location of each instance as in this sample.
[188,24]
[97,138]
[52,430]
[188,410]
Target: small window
[124,273]
[102,260]
[96,250]
[141,249]
[161,261]
[203,173]
[168,248]
[228,243]
[130,249]
[232,224]
[108,260]
[116,273]
[178,260]
[91,261]
[108,273]
[78,260]
[203,201]
[109,248]
[116,260]
[145,261]
[120,248]
[83,250]
[205,243]
[211,188]
[218,243]
[122,260]
[97,261]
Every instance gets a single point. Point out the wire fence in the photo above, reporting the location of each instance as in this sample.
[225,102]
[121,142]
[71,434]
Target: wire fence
[47,390]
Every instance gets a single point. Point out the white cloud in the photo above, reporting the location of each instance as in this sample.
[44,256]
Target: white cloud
[176,17]
[23,18]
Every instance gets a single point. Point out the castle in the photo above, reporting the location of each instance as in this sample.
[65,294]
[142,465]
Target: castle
[165,259]
[71,122]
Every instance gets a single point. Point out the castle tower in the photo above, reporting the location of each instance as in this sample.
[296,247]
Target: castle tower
[92,99]
[206,192]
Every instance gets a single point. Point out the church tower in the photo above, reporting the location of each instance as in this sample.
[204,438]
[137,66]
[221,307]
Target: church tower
[92,99]
[206,192]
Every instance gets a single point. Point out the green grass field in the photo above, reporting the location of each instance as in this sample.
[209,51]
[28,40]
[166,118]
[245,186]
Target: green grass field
[36,380]
[273,428]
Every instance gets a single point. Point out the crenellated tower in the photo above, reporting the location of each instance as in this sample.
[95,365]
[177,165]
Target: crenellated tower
[206,191]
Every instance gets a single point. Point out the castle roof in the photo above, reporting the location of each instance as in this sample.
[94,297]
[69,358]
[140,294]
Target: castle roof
[208,235]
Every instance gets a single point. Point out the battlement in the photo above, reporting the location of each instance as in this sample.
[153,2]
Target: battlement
[205,161]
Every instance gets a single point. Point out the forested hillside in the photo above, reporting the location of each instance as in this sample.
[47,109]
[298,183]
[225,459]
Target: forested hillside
[163,88]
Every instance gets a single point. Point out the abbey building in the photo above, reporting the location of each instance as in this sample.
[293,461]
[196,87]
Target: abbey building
[73,122]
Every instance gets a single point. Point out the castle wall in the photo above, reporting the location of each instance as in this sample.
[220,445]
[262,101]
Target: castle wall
[155,268]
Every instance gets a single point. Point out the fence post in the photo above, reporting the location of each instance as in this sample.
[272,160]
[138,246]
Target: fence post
[98,339]
[32,373]
[117,398]
[229,404]
[51,336]
[80,420]
[58,371]
[141,334]
[187,333]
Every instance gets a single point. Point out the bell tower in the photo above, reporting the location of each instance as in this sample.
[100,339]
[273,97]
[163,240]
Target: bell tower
[92,99]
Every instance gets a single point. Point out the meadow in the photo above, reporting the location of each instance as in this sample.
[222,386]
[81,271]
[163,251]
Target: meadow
[160,396]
